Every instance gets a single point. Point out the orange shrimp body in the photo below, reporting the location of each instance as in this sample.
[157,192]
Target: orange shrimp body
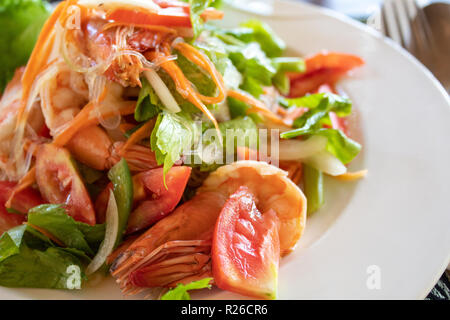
[271,187]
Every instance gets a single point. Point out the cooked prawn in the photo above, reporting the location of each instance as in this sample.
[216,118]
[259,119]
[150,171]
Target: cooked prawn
[271,187]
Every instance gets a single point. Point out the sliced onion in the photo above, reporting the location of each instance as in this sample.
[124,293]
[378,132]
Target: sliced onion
[162,91]
[327,163]
[297,149]
[107,246]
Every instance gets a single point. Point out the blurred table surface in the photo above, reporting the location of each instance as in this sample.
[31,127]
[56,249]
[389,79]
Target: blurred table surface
[359,9]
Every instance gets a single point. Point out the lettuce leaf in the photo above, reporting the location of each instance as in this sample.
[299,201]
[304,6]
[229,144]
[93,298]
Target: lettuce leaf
[148,104]
[310,123]
[257,31]
[173,135]
[341,146]
[180,292]
[197,7]
[54,219]
[29,259]
[243,132]
[319,106]
[20,24]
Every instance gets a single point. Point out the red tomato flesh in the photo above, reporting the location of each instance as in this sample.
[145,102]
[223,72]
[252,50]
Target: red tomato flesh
[22,202]
[322,68]
[332,60]
[246,248]
[60,183]
[163,200]
[168,17]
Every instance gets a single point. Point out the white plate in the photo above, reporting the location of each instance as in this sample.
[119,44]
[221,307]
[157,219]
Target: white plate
[398,218]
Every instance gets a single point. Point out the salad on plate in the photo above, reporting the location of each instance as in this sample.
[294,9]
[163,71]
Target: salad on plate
[141,140]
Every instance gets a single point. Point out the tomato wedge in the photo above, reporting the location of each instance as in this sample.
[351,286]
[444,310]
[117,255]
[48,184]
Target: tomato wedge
[22,202]
[163,200]
[322,68]
[60,183]
[246,248]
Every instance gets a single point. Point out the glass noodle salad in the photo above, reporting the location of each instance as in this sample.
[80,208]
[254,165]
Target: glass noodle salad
[141,140]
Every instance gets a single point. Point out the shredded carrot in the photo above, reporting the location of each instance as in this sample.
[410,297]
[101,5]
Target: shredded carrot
[47,234]
[125,127]
[140,134]
[26,181]
[142,26]
[184,87]
[352,176]
[203,62]
[39,55]
[83,120]
[255,105]
[74,126]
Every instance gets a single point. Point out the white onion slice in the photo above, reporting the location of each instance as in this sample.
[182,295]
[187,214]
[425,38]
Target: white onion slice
[297,149]
[327,163]
[162,91]
[107,246]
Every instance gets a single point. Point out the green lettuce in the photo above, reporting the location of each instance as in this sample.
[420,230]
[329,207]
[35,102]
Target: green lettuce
[173,135]
[310,123]
[257,31]
[180,292]
[319,106]
[54,219]
[29,259]
[197,7]
[148,104]
[20,24]
[341,146]
[243,132]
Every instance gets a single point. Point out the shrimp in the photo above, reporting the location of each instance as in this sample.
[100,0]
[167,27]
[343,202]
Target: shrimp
[62,97]
[271,187]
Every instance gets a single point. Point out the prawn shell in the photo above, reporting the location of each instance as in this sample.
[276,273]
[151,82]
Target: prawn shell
[272,189]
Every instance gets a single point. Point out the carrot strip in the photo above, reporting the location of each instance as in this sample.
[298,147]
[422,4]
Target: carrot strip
[124,127]
[74,126]
[203,62]
[352,176]
[142,26]
[255,105]
[183,85]
[39,55]
[47,234]
[26,181]
[138,135]
[83,120]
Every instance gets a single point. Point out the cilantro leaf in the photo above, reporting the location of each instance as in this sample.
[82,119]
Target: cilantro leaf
[180,292]
[173,135]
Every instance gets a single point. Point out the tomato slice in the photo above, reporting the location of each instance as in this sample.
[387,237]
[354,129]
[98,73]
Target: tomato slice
[22,202]
[59,183]
[332,60]
[322,68]
[172,14]
[168,17]
[163,200]
[246,248]
[311,82]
